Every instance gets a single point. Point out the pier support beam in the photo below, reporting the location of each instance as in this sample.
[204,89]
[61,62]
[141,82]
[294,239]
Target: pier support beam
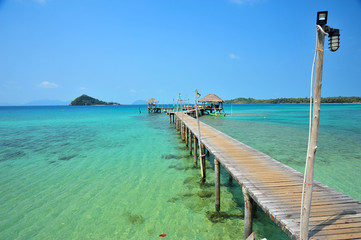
[190,142]
[171,118]
[217,174]
[230,179]
[203,162]
[186,136]
[248,210]
[183,130]
[195,149]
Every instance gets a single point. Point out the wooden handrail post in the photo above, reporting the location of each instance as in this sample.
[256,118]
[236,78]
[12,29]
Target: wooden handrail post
[311,152]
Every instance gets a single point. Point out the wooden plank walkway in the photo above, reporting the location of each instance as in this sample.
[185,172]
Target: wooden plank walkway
[277,188]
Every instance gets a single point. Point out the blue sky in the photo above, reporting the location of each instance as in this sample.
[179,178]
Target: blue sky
[123,51]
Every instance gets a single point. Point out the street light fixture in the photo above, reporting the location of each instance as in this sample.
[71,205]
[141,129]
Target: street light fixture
[322,18]
[333,33]
[334,39]
[334,43]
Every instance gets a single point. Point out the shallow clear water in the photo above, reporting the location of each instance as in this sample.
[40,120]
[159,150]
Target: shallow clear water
[112,173]
[281,131]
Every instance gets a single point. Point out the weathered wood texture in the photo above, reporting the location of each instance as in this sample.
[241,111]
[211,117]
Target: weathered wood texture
[217,187]
[248,210]
[277,188]
[311,152]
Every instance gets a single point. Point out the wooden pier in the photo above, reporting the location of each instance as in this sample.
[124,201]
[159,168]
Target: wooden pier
[273,186]
[159,109]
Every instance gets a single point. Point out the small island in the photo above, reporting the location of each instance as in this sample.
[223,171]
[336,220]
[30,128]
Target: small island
[85,100]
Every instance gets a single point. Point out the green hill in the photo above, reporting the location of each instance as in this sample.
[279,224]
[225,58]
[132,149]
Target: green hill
[293,100]
[85,100]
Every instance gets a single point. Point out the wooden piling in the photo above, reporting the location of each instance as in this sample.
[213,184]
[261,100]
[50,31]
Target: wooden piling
[190,142]
[248,210]
[195,149]
[230,179]
[217,185]
[252,236]
[183,131]
[186,135]
[203,163]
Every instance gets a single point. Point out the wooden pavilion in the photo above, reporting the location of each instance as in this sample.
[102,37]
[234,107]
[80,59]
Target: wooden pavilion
[212,104]
[152,105]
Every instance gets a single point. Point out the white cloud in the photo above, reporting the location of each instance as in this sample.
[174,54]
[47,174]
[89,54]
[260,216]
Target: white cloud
[132,91]
[82,88]
[233,56]
[47,84]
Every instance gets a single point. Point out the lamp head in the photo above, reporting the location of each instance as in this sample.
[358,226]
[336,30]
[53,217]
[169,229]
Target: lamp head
[322,18]
[334,39]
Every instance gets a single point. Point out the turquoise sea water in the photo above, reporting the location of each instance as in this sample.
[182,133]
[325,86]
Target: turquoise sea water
[112,173]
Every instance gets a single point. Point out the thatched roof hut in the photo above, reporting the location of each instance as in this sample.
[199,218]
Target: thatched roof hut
[211,98]
[212,103]
[152,100]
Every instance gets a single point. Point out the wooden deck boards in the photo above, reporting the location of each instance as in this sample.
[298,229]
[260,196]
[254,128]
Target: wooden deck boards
[277,188]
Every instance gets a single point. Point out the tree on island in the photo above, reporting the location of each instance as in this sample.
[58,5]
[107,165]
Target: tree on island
[84,100]
[293,100]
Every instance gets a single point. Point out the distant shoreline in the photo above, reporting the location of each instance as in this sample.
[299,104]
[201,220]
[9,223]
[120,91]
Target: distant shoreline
[144,105]
[285,103]
[326,100]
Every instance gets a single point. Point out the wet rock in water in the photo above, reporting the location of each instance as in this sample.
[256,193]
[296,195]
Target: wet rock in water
[171,156]
[187,195]
[189,180]
[188,168]
[205,194]
[172,200]
[172,166]
[204,185]
[134,219]
[217,217]
[66,158]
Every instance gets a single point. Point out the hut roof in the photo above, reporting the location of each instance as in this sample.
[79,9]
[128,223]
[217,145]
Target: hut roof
[152,100]
[211,98]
